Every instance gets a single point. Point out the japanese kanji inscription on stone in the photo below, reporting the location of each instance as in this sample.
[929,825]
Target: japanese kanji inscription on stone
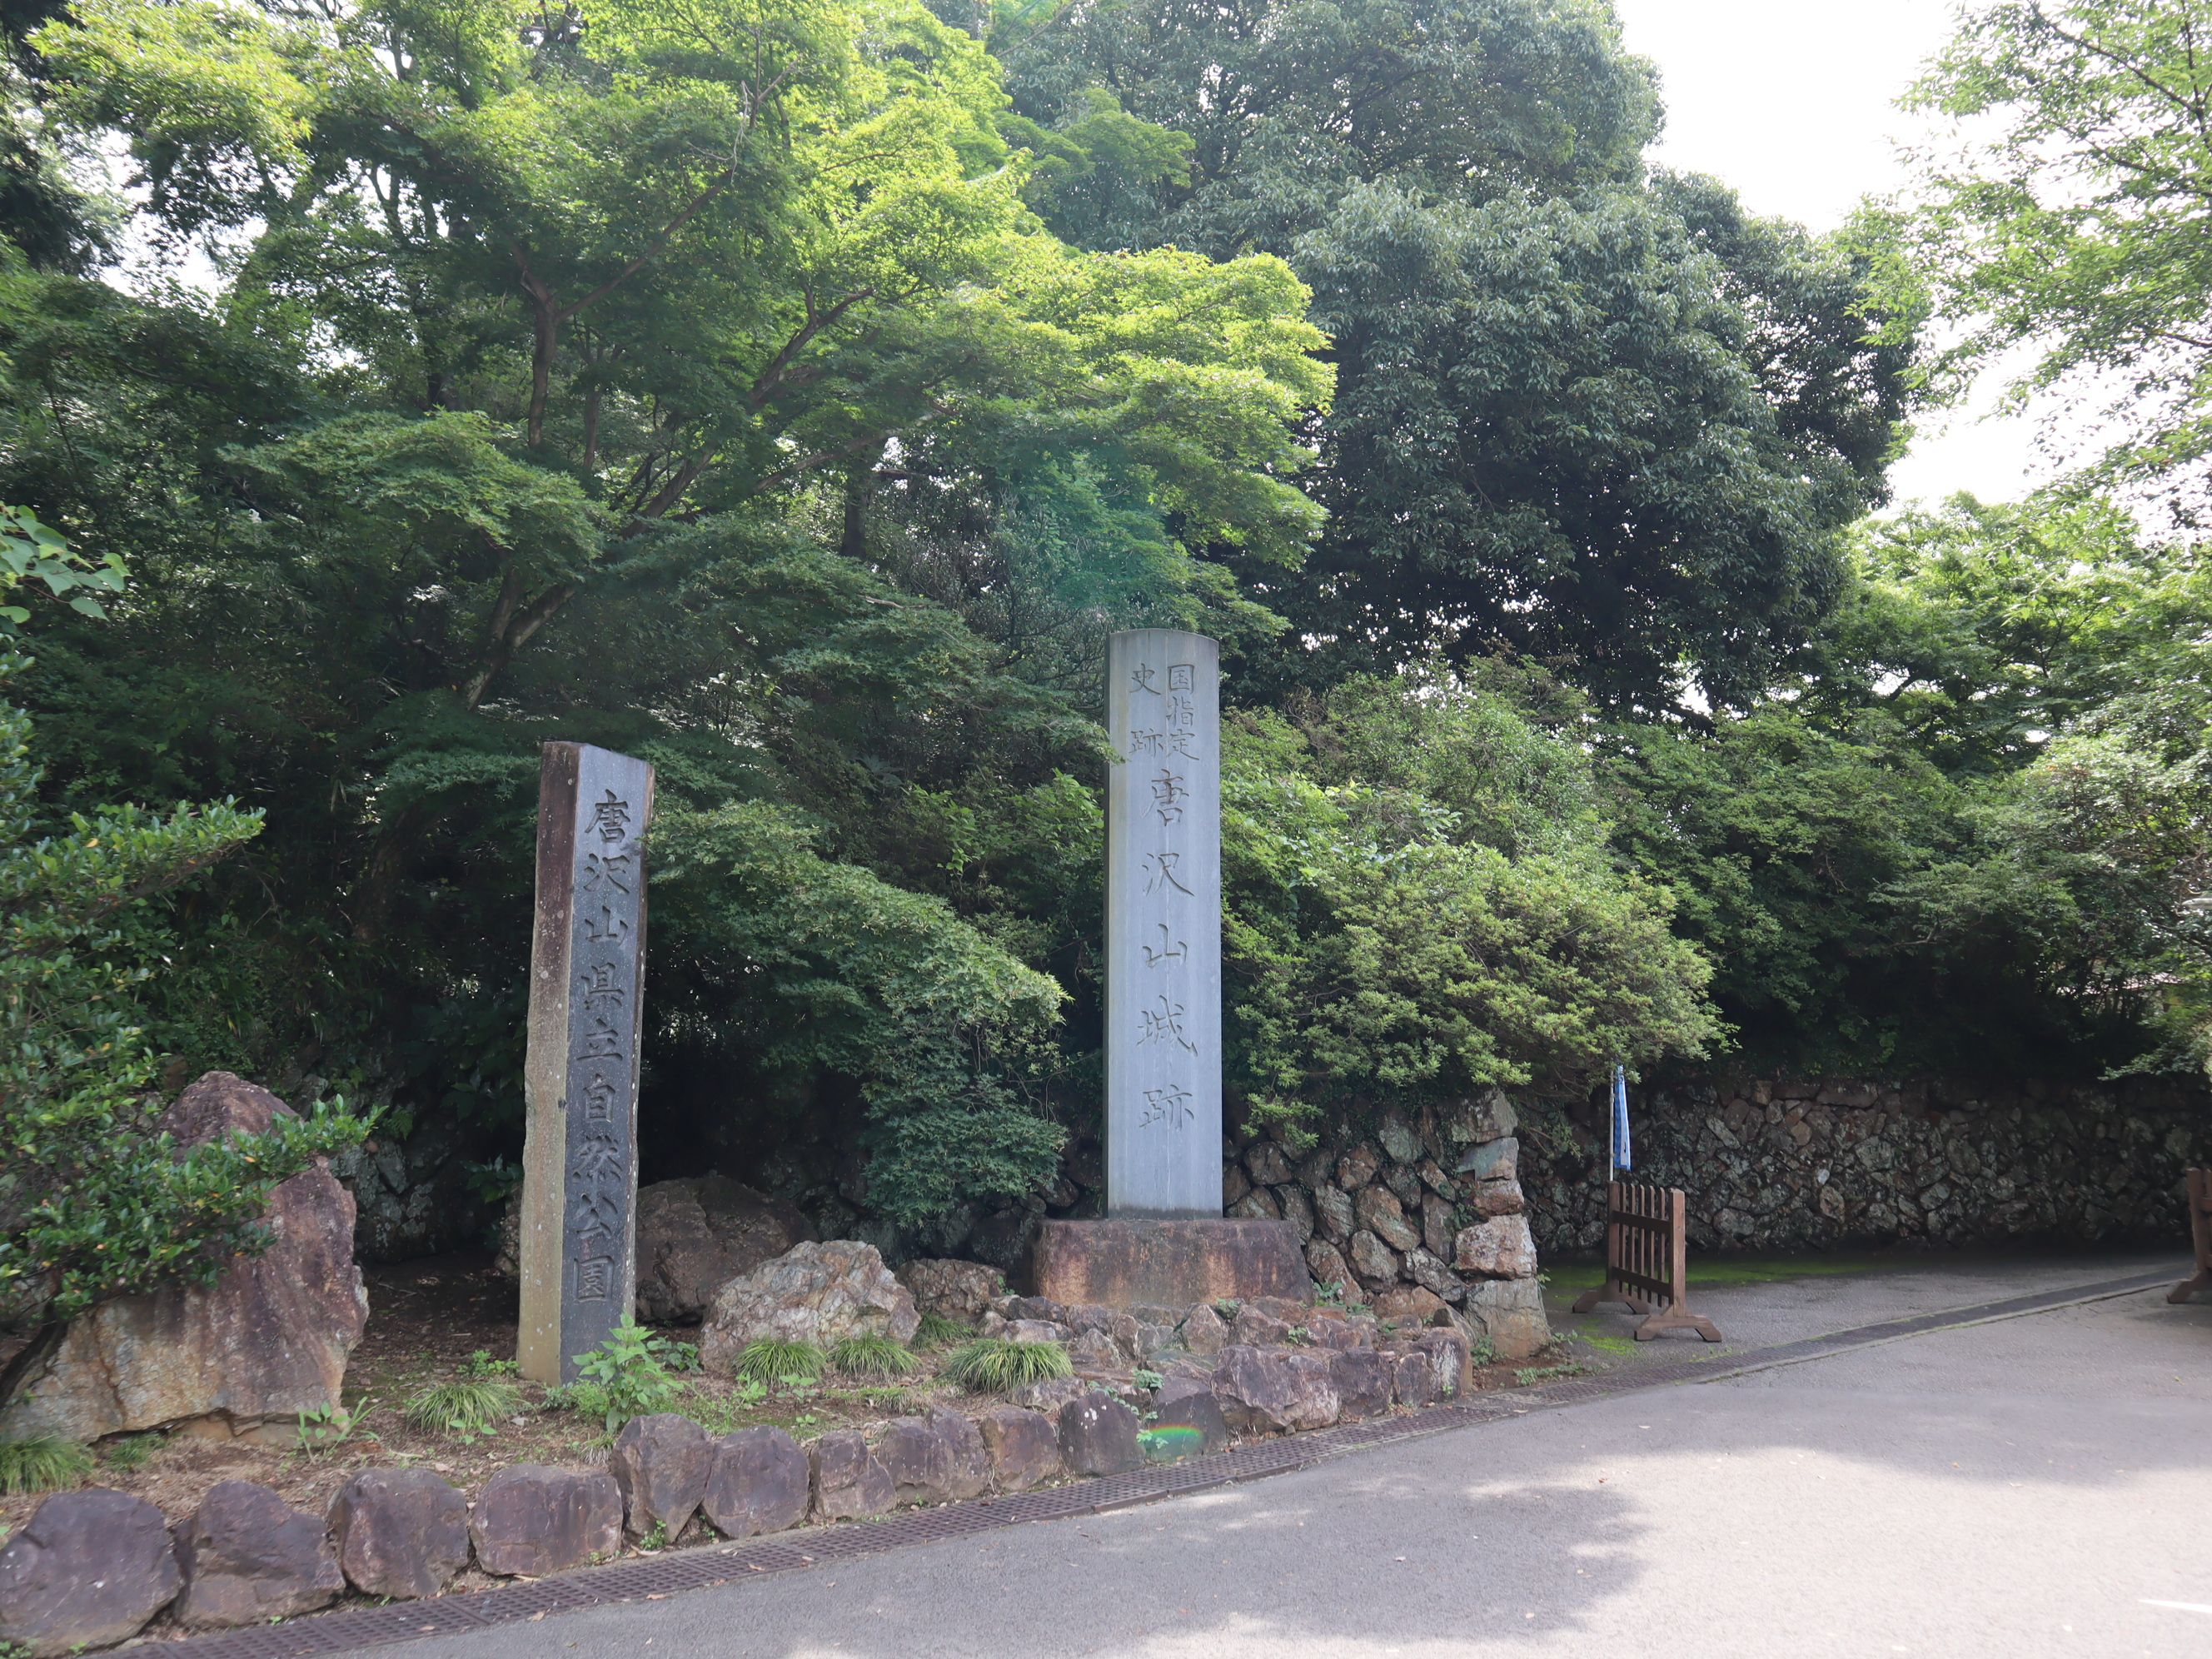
[578,1257]
[1164,926]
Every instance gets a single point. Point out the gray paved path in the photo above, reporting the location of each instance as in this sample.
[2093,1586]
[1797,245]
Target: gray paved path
[2041,1485]
[1765,1316]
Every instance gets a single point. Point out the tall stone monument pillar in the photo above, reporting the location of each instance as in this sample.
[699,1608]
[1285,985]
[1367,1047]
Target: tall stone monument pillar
[1163,1241]
[1164,926]
[579,1244]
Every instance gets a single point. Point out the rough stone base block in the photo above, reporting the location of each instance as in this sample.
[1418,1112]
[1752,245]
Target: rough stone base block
[1171,1264]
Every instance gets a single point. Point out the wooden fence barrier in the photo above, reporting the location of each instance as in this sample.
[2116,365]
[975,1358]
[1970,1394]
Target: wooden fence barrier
[1647,1259]
[2200,1233]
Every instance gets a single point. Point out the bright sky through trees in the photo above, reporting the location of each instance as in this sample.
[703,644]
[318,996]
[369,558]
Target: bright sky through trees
[1795,105]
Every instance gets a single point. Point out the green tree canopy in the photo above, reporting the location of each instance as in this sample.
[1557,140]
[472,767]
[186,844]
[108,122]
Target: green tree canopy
[1969,832]
[2064,213]
[1609,421]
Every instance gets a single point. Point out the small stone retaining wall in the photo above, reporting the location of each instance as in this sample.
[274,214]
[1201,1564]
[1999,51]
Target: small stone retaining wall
[94,1567]
[1787,1164]
[1414,1214]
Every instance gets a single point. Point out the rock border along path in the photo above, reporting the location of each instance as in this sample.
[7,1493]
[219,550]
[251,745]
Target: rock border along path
[707,1565]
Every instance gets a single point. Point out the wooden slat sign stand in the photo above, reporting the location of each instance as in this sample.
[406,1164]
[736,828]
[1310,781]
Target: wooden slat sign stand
[2200,1233]
[1647,1259]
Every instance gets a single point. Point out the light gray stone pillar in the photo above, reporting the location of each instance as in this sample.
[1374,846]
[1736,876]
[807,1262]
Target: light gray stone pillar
[1164,926]
[579,1244]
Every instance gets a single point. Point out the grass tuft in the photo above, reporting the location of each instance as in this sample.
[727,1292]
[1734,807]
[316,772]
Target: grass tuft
[992,1365]
[44,1463]
[771,1361]
[131,1452]
[880,1357]
[939,1330]
[467,1405]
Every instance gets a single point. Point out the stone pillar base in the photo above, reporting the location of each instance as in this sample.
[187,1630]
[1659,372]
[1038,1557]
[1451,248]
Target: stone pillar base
[1169,1264]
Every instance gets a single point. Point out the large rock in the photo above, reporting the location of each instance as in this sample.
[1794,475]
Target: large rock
[1258,1204]
[1259,1328]
[1185,1421]
[1438,1227]
[660,1462]
[1088,1316]
[1488,1198]
[1334,1215]
[1510,1313]
[849,1481]
[1268,1165]
[1326,1329]
[1022,1446]
[958,1290]
[249,1557]
[401,1533]
[1329,1269]
[1097,1351]
[1432,1366]
[1145,1339]
[939,1458]
[1025,1330]
[1098,1435]
[531,1519]
[760,1482]
[1430,1273]
[1494,1160]
[1382,1213]
[1486,1116]
[1455,1360]
[1372,1259]
[1398,1138]
[1499,1247]
[1356,1167]
[1414,1381]
[89,1569]
[696,1234]
[1265,1391]
[1409,1304]
[1204,1330]
[1049,1394]
[245,1355]
[818,1293]
[1364,1380]
[1405,1184]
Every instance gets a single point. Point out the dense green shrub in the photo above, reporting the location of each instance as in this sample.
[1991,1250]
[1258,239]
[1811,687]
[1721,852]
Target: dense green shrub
[1421,903]
[627,1376]
[93,1203]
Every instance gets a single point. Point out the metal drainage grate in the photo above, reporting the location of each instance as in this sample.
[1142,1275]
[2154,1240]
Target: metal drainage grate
[702,1568]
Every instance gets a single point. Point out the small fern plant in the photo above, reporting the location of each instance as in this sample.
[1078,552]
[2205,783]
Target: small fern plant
[994,1364]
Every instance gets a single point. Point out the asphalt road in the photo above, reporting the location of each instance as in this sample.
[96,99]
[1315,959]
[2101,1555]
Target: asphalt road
[2040,1486]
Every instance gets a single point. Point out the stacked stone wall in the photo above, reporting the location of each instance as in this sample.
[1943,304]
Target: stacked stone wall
[1413,1214]
[1781,1163]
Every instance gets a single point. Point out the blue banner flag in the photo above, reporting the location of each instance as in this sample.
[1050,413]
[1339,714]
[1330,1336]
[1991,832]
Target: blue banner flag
[1621,1159]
